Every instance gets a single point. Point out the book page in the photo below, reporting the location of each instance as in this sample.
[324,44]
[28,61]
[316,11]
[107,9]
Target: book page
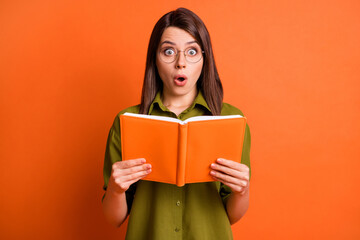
[192,119]
[203,118]
[161,118]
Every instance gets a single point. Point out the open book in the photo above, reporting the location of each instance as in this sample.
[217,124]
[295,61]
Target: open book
[181,152]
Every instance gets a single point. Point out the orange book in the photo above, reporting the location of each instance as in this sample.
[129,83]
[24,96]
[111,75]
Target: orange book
[181,152]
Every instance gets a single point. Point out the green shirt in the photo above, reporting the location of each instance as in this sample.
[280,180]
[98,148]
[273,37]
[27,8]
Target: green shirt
[165,211]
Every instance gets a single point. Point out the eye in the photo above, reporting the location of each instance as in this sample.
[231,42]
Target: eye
[191,52]
[168,51]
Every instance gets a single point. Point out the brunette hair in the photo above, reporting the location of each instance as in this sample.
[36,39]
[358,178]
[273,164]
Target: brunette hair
[208,83]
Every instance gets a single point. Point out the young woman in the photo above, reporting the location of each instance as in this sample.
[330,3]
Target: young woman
[181,81]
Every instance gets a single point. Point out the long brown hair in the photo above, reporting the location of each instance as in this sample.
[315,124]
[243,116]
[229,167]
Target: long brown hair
[208,83]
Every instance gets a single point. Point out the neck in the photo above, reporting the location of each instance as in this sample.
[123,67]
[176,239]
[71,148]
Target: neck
[177,103]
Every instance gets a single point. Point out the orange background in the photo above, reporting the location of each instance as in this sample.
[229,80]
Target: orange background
[67,68]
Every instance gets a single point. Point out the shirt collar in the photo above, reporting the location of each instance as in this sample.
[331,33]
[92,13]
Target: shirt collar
[199,100]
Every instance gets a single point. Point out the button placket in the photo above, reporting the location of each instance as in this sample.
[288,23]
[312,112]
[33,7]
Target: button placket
[178,211]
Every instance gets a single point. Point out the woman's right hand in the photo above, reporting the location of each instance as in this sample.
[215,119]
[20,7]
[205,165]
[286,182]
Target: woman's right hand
[125,173]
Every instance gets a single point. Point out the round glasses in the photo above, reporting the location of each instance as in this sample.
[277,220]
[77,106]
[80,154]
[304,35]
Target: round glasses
[170,54]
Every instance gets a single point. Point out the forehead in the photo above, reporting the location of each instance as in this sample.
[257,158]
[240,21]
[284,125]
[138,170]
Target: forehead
[177,36]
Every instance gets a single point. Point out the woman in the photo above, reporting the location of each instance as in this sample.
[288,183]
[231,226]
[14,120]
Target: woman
[181,81]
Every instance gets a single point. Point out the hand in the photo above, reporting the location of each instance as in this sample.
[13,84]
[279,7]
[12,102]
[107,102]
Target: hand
[233,174]
[125,173]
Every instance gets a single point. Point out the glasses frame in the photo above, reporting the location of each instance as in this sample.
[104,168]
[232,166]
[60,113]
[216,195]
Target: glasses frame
[177,55]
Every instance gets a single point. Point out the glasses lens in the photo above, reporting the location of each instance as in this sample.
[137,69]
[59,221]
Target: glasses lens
[193,54]
[168,54]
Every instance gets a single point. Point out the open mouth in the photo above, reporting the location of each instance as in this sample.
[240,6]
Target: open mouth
[180,80]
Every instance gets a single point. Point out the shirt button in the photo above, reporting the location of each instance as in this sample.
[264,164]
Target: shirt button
[177,229]
[178,203]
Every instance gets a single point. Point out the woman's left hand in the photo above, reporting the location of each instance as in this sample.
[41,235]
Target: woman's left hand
[233,174]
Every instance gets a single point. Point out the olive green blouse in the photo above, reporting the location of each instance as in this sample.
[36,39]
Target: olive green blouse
[165,211]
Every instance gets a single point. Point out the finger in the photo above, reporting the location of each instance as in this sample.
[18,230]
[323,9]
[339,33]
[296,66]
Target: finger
[129,163]
[234,187]
[132,170]
[232,164]
[139,178]
[228,179]
[133,176]
[244,168]
[231,172]
[124,182]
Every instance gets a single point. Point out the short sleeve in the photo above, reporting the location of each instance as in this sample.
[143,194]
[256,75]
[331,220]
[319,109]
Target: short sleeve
[245,157]
[225,191]
[112,155]
[112,151]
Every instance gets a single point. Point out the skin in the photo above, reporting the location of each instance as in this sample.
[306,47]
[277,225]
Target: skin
[236,176]
[177,99]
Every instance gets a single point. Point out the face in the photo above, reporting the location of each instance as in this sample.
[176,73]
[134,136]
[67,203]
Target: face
[180,76]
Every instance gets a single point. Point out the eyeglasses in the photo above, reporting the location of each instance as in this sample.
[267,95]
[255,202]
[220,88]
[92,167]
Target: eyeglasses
[170,54]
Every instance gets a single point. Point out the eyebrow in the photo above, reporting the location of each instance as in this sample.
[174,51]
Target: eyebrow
[172,43]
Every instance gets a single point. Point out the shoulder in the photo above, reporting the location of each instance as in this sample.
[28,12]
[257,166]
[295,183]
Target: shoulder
[228,109]
[132,109]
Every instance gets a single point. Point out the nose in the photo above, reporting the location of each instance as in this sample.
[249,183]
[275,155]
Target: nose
[180,61]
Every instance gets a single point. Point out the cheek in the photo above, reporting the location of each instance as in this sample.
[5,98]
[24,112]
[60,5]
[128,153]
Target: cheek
[159,69]
[198,69]
[162,69]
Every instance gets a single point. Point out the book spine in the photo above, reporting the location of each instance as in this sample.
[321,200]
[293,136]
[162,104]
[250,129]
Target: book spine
[180,178]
